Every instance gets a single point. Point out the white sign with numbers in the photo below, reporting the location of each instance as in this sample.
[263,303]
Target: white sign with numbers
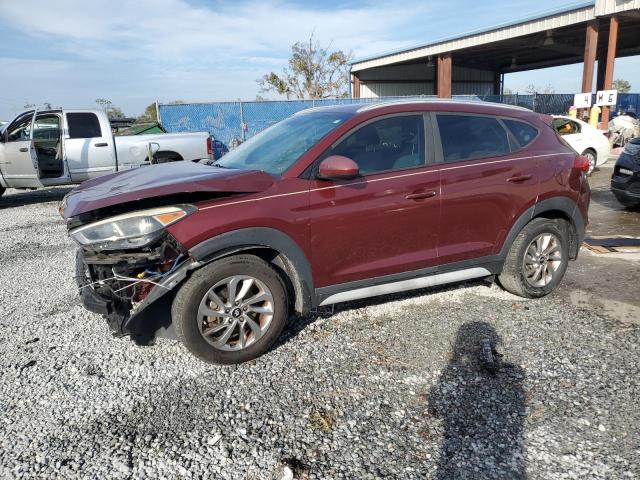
[582,100]
[606,97]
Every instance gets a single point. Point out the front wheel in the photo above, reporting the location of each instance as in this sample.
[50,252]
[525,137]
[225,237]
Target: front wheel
[537,259]
[232,310]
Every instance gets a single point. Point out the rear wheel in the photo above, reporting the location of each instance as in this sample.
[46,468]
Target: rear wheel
[591,156]
[232,310]
[537,259]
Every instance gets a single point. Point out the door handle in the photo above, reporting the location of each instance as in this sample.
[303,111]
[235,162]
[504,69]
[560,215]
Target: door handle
[421,195]
[24,149]
[519,178]
[101,144]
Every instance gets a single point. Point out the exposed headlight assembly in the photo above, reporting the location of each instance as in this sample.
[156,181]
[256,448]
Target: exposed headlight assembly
[130,230]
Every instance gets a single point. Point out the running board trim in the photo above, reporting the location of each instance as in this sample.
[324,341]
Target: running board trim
[403,285]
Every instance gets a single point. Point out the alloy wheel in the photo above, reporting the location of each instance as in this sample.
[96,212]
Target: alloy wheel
[592,161]
[235,313]
[542,260]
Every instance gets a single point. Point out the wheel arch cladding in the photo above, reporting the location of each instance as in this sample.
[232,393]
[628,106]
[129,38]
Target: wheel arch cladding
[288,256]
[551,208]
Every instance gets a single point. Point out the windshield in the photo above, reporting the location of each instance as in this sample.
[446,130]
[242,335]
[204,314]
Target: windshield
[275,149]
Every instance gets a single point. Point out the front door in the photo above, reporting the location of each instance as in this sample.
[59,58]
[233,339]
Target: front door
[18,162]
[385,221]
[486,184]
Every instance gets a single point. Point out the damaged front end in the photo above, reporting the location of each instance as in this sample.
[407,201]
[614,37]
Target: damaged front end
[127,267]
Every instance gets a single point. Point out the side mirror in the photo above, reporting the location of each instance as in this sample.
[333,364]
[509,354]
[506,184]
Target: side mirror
[337,167]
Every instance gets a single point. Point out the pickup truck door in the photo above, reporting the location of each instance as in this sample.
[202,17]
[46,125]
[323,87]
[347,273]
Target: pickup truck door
[18,162]
[88,145]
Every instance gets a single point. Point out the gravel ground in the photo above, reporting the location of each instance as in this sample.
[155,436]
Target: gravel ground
[377,390]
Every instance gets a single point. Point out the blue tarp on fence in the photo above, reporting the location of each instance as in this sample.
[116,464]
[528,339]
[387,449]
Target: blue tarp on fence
[229,121]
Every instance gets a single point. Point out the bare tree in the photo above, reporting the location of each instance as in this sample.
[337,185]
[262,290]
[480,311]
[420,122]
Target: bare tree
[533,89]
[107,106]
[313,72]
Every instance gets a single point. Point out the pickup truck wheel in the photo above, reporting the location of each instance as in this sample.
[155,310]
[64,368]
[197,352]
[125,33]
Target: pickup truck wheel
[537,259]
[232,310]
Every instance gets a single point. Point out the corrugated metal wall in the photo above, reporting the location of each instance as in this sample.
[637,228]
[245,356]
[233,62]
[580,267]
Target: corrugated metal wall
[419,79]
[391,89]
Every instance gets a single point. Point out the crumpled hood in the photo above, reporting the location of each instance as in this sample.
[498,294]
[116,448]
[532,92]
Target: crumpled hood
[161,180]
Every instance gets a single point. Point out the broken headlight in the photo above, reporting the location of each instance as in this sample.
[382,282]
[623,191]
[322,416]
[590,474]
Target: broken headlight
[130,230]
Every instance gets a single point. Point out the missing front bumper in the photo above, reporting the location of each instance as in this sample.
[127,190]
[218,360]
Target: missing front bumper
[142,320]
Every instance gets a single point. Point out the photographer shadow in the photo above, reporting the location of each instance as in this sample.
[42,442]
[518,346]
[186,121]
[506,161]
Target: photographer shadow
[482,412]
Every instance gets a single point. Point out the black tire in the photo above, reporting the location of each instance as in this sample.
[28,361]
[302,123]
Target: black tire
[2,190]
[513,277]
[184,310]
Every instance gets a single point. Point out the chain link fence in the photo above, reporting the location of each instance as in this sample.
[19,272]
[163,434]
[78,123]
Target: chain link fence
[230,123]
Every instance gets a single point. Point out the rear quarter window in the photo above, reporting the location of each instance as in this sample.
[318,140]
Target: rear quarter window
[469,137]
[521,131]
[83,125]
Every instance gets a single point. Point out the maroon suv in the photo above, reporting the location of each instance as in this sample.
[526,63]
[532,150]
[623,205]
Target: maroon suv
[332,204]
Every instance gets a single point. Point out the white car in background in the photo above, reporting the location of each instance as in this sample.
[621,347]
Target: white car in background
[584,139]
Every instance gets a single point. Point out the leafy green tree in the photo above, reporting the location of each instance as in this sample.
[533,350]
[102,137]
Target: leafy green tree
[151,115]
[621,85]
[313,72]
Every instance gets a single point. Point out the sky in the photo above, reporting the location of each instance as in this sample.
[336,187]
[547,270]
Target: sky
[71,52]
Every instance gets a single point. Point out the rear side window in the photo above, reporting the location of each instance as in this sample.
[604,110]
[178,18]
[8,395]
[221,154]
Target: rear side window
[467,137]
[83,125]
[523,132]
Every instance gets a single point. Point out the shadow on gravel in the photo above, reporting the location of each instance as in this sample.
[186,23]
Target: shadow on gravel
[482,413]
[31,197]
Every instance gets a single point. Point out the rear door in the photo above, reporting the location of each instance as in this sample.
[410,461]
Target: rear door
[88,146]
[385,221]
[18,162]
[487,182]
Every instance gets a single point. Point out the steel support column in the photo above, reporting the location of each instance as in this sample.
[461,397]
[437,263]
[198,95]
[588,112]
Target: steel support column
[608,72]
[590,48]
[444,75]
[497,83]
[356,86]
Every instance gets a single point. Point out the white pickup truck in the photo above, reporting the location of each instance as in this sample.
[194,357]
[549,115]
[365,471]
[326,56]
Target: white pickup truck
[62,147]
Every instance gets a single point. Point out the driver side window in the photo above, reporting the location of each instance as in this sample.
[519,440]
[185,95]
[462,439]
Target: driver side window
[388,144]
[20,131]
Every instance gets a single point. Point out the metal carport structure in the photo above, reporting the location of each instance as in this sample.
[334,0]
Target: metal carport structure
[475,62]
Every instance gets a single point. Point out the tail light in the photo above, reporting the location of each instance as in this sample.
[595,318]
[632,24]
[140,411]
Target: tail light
[209,146]
[581,163]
